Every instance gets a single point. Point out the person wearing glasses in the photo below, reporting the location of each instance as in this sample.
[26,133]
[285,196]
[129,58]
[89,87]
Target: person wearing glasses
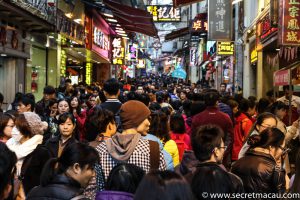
[208,146]
[261,169]
[264,121]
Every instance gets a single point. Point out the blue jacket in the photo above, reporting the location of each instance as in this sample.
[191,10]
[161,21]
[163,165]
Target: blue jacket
[168,157]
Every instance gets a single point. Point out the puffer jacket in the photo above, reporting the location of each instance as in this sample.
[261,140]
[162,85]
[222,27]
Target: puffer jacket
[60,188]
[259,173]
[114,195]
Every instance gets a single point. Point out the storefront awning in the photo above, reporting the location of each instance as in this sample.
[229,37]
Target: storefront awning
[132,19]
[177,33]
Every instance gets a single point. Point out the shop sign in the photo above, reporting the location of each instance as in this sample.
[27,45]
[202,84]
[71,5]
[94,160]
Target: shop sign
[193,51]
[199,25]
[290,22]
[281,77]
[118,51]
[219,20]
[264,30]
[101,39]
[225,48]
[253,56]
[70,29]
[164,13]
[141,63]
[88,73]
[133,51]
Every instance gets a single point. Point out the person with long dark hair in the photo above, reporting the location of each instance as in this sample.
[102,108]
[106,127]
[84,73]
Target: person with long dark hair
[160,128]
[166,185]
[261,168]
[264,121]
[7,123]
[122,182]
[79,114]
[64,178]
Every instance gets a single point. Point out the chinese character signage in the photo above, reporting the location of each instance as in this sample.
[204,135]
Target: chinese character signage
[164,13]
[281,77]
[199,24]
[220,20]
[225,48]
[100,39]
[289,21]
[118,51]
[264,30]
[193,56]
[253,56]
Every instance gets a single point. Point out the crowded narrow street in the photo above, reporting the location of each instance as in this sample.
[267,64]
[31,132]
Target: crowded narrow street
[149,99]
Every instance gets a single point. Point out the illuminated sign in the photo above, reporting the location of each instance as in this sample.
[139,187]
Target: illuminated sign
[133,51]
[88,73]
[199,25]
[63,63]
[141,63]
[118,52]
[164,13]
[100,39]
[289,21]
[225,48]
[264,30]
[253,56]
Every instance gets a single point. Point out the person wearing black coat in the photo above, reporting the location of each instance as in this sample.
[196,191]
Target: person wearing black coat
[261,169]
[64,178]
[67,125]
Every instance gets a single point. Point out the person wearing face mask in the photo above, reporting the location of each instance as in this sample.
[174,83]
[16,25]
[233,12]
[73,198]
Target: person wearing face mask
[66,127]
[208,146]
[261,168]
[129,146]
[64,178]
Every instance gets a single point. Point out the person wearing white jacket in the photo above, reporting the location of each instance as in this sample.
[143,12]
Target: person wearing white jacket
[28,134]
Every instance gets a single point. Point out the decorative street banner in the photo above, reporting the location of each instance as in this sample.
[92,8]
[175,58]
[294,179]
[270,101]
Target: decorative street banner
[220,20]
[281,77]
[289,33]
[164,13]
[118,51]
[225,48]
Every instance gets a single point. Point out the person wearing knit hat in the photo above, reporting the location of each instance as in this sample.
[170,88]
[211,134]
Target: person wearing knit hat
[28,149]
[132,114]
[128,146]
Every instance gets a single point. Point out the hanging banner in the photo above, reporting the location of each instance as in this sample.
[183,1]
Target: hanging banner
[289,33]
[164,13]
[219,20]
[118,52]
[179,73]
[225,48]
[193,51]
[281,77]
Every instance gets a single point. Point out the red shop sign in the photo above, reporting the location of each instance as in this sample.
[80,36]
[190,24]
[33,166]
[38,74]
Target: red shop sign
[281,77]
[289,20]
[264,30]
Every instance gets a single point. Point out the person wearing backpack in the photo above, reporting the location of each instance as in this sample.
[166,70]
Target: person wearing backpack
[242,125]
[179,135]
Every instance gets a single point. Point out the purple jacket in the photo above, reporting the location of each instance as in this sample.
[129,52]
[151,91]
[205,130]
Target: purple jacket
[113,195]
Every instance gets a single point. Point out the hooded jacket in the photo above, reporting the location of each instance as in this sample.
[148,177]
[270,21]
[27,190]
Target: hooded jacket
[130,149]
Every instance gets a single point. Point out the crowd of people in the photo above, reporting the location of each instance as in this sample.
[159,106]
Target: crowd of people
[149,138]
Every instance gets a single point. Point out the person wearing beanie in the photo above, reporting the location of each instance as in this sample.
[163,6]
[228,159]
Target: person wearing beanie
[128,146]
[31,155]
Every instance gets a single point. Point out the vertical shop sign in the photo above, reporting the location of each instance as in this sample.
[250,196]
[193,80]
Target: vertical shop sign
[88,73]
[193,56]
[219,20]
[289,33]
[118,51]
